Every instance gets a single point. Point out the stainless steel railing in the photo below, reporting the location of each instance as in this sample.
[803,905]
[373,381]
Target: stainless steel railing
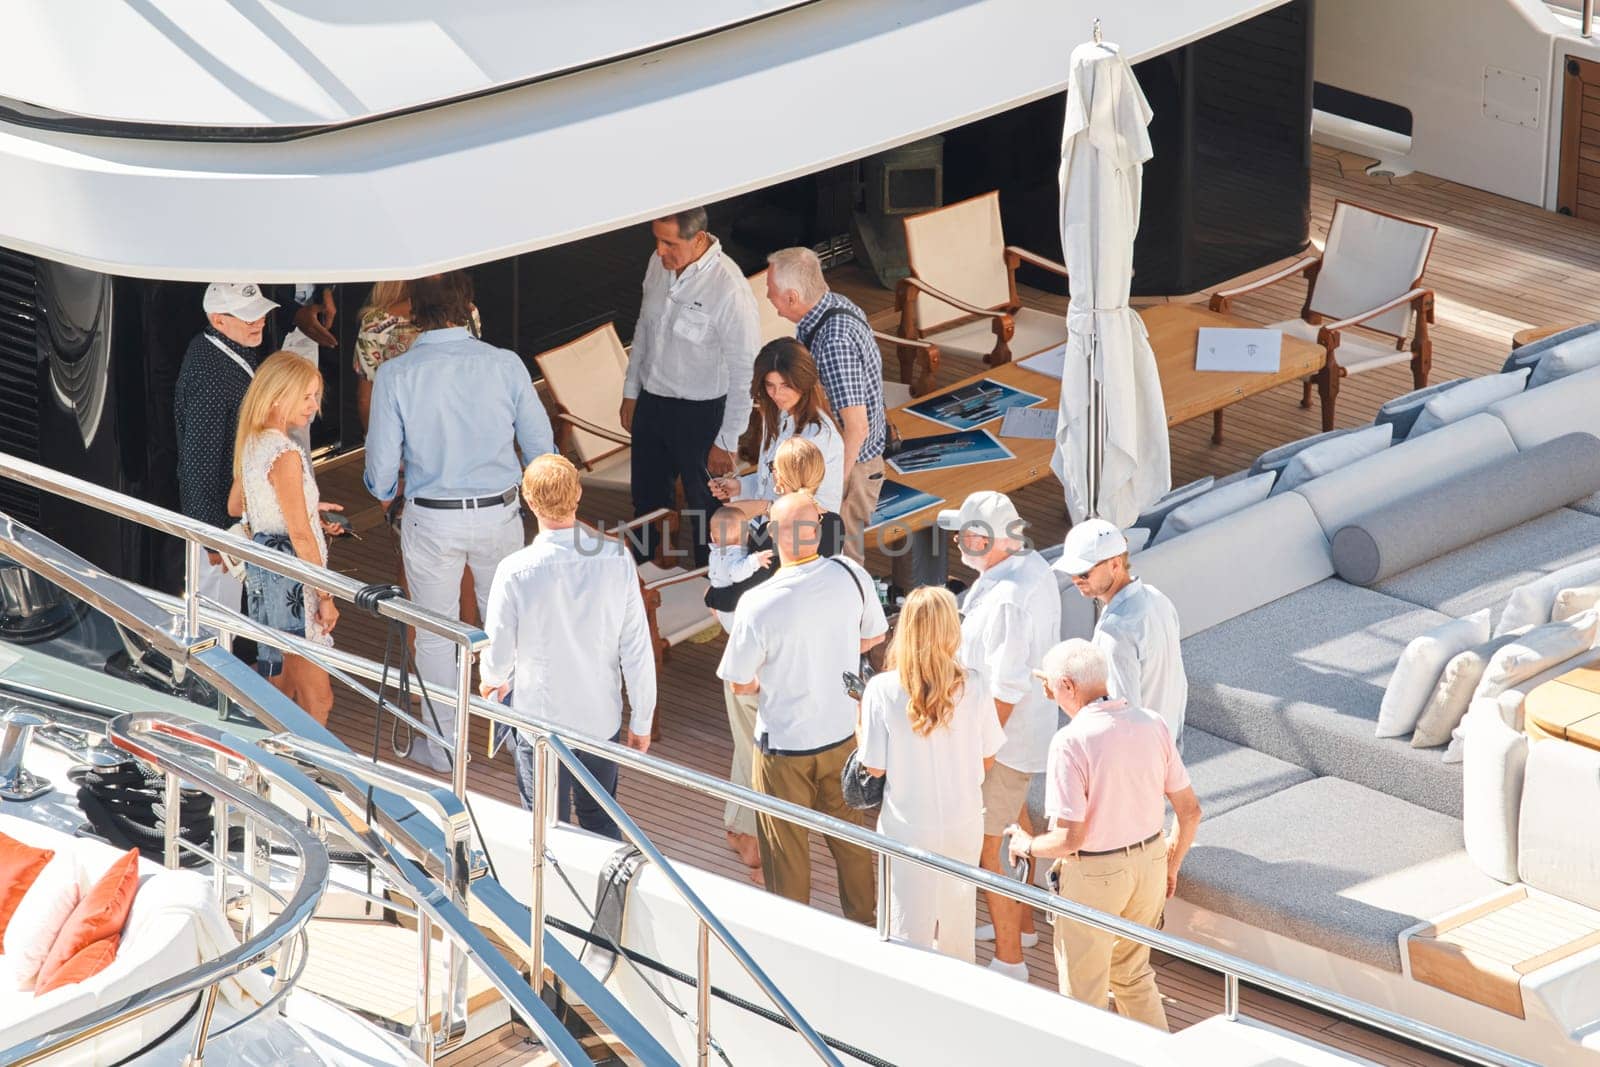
[276,938]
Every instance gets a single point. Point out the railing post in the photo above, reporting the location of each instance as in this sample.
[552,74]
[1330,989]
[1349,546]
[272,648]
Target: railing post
[458,776]
[1588,18]
[257,857]
[702,1039]
[883,895]
[172,797]
[422,1029]
[197,1052]
[1230,995]
[219,836]
[541,763]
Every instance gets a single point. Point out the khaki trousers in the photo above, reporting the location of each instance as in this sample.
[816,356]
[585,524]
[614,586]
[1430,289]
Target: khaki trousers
[860,498]
[812,782]
[1090,962]
[742,724]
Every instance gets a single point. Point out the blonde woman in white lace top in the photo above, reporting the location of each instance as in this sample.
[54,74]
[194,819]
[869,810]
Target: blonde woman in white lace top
[274,488]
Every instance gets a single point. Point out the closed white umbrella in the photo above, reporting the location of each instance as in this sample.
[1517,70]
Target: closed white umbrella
[1112,452]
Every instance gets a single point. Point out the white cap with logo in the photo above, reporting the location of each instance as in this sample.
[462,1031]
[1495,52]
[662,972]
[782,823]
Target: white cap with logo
[1091,541]
[242,300]
[991,514]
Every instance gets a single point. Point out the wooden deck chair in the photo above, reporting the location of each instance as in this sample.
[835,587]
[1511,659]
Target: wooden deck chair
[962,292]
[585,377]
[1369,275]
[895,394]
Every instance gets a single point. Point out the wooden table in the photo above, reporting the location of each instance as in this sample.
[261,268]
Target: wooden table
[1188,394]
[1539,333]
[1566,708]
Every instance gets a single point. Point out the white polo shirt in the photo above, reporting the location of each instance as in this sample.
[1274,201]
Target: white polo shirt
[1011,616]
[697,337]
[1138,632]
[797,633]
[567,627]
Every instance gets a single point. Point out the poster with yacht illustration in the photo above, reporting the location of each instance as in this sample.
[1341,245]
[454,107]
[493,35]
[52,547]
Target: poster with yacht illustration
[972,405]
[947,450]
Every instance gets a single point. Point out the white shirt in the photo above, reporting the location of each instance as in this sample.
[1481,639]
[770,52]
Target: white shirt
[935,779]
[697,337]
[797,633]
[1138,632]
[566,626]
[761,484]
[1010,618]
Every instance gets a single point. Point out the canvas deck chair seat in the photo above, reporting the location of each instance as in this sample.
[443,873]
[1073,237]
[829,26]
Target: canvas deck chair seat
[774,326]
[1368,278]
[962,292]
[585,378]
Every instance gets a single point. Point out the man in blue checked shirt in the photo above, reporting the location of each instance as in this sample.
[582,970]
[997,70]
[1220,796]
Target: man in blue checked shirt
[841,342]
[455,411]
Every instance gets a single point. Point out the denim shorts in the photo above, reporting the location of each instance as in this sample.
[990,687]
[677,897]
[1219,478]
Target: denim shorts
[274,600]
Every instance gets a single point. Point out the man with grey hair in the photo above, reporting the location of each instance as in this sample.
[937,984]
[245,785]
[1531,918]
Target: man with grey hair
[1112,770]
[686,398]
[841,344]
[1009,618]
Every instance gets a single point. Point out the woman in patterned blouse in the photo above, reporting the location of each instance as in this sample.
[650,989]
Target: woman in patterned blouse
[386,332]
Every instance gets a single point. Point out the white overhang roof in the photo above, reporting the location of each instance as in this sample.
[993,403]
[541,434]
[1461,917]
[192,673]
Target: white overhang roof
[564,158]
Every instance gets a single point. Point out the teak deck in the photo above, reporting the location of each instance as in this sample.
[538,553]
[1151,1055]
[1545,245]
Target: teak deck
[1498,267]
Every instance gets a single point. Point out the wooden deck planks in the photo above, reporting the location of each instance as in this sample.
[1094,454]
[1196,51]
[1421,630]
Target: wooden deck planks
[1498,266]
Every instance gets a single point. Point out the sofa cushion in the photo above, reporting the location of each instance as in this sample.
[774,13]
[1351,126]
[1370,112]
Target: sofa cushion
[40,917]
[99,917]
[1451,697]
[1227,776]
[1302,678]
[1329,456]
[1153,516]
[1307,863]
[1572,602]
[1589,505]
[1540,649]
[1402,471]
[1402,411]
[1201,571]
[1531,602]
[20,865]
[1468,398]
[1562,784]
[1565,359]
[1401,534]
[1530,354]
[1495,756]
[1566,406]
[1209,507]
[1417,672]
[1273,460]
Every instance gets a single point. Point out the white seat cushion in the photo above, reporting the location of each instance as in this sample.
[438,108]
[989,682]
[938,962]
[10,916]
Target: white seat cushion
[683,612]
[1537,651]
[1213,505]
[1325,457]
[1417,673]
[613,472]
[1468,398]
[1533,603]
[1495,759]
[1355,352]
[1535,416]
[1035,331]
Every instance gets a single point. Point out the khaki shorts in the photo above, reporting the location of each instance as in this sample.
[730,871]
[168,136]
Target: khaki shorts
[1004,792]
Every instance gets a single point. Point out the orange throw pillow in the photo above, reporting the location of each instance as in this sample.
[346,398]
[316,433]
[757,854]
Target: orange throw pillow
[19,865]
[88,941]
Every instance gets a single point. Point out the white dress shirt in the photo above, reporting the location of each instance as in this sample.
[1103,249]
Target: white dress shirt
[797,633]
[762,483]
[1010,618]
[696,338]
[567,626]
[1138,632]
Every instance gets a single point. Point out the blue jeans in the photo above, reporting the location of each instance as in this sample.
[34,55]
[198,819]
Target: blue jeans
[569,794]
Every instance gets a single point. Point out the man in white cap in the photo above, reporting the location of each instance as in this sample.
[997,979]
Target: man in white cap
[1138,628]
[1010,618]
[217,368]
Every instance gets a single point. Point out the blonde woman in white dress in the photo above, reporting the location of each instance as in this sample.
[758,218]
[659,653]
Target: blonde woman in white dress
[275,490]
[930,725]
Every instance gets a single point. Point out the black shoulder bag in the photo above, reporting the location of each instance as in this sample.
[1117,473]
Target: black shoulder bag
[862,791]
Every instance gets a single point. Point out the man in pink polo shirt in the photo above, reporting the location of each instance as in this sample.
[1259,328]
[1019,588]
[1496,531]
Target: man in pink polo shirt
[1110,770]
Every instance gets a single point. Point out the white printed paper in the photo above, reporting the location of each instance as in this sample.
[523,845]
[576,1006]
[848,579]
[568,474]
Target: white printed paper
[1224,349]
[1051,362]
[1036,423]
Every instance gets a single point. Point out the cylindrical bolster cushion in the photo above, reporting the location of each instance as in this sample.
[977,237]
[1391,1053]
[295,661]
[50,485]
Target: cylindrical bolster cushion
[1467,508]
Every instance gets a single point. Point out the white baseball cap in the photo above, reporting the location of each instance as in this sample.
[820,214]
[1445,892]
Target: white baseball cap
[1091,541]
[992,514]
[242,300]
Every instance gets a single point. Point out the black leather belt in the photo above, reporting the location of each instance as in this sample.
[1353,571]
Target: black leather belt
[767,750]
[460,505]
[1124,850]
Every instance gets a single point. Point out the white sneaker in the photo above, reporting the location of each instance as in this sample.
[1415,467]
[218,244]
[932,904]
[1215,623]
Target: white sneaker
[1019,971]
[986,933]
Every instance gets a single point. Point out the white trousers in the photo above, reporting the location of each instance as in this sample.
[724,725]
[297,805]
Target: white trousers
[437,545]
[927,908]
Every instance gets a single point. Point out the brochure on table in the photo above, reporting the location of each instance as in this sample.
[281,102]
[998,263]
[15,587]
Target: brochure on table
[896,500]
[1052,362]
[1038,424]
[1224,349]
[972,405]
[946,451]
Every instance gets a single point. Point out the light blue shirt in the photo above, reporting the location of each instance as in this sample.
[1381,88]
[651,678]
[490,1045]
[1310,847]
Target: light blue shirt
[450,408]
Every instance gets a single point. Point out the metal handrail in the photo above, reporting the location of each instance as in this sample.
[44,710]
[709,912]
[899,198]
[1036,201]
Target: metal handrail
[205,977]
[1233,969]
